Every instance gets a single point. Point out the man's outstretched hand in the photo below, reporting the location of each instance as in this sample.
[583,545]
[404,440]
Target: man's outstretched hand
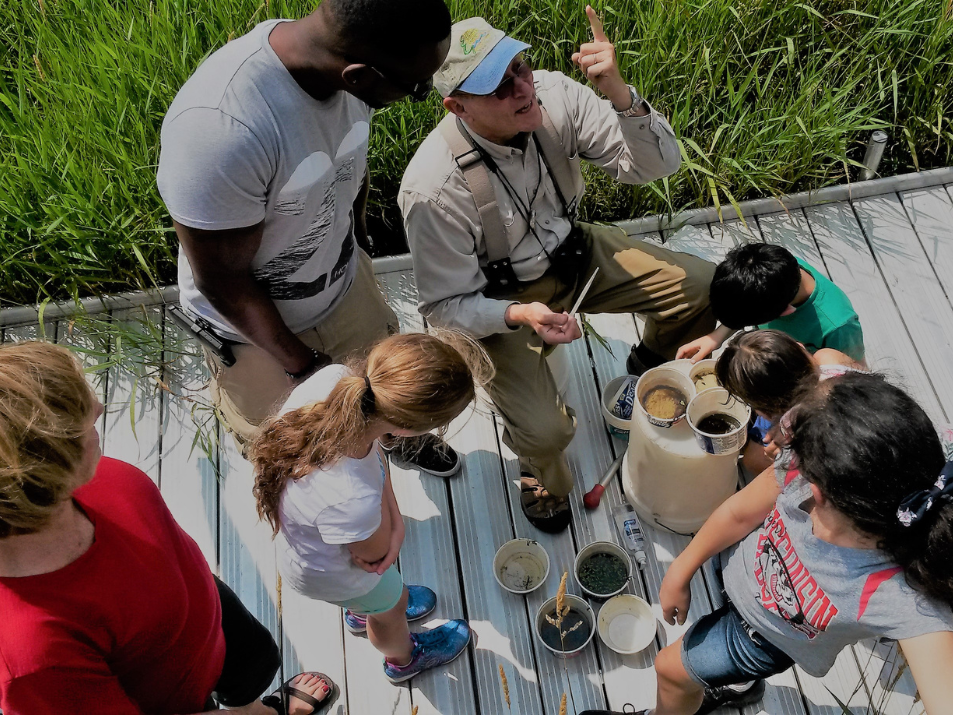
[553,328]
[597,61]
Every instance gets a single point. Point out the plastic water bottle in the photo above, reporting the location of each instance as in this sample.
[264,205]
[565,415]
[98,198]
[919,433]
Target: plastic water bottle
[630,531]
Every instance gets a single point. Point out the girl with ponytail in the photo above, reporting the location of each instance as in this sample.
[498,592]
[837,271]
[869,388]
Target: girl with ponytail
[322,482]
[849,536]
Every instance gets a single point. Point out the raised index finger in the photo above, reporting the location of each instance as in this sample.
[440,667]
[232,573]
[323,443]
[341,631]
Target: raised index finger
[597,32]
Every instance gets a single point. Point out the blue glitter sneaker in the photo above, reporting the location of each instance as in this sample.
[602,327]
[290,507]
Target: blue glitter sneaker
[431,649]
[421,601]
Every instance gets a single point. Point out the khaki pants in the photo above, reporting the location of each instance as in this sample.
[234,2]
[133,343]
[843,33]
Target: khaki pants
[669,289]
[256,386]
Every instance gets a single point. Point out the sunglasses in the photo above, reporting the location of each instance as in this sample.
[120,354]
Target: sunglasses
[506,88]
[417,92]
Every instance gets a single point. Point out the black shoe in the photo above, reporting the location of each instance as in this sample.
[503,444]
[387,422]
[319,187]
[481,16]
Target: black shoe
[626,710]
[734,695]
[641,359]
[427,453]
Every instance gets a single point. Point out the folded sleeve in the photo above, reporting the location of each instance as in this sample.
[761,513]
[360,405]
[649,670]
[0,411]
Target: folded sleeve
[450,280]
[848,338]
[633,150]
[213,171]
[350,521]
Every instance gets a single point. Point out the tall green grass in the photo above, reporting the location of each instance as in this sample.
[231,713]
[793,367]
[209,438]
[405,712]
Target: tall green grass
[767,97]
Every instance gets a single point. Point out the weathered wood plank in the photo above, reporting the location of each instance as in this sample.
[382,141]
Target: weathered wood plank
[428,556]
[931,213]
[696,240]
[313,640]
[247,551]
[852,267]
[482,524]
[925,309]
[578,677]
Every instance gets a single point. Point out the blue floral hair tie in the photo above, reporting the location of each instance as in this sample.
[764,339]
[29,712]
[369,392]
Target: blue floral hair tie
[915,506]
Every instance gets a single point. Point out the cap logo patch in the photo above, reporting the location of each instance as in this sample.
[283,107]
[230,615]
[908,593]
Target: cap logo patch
[470,40]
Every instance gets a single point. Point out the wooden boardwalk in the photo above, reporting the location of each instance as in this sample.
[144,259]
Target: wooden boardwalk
[892,254]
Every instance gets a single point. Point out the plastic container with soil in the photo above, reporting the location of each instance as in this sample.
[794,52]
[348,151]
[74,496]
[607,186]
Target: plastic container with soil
[702,375]
[663,394]
[568,637]
[719,421]
[602,569]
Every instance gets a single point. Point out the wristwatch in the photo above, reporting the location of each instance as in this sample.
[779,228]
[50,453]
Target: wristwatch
[318,359]
[637,105]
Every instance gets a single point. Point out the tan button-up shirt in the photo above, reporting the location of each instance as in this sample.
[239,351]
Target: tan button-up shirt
[444,228]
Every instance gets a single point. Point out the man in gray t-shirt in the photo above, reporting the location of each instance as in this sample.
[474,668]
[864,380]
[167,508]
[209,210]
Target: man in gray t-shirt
[264,171]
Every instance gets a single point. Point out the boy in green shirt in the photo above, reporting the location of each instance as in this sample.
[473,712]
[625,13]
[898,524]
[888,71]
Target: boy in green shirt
[763,285]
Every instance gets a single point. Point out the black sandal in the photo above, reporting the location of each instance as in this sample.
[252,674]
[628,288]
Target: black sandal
[543,510]
[279,699]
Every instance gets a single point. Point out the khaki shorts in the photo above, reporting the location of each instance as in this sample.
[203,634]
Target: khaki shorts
[256,386]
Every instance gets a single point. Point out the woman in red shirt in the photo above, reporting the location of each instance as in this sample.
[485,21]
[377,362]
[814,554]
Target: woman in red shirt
[108,605]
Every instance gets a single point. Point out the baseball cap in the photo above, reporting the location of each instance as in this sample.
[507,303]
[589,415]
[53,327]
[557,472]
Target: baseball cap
[479,57]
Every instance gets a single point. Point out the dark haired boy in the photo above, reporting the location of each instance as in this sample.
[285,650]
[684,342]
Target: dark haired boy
[767,286]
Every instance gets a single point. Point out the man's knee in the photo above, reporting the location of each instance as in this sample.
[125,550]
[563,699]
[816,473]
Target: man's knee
[544,432]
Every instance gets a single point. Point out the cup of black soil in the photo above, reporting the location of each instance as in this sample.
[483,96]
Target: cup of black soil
[565,637]
[602,569]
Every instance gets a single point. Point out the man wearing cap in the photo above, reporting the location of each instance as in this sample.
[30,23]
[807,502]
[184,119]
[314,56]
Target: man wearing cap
[264,171]
[489,205]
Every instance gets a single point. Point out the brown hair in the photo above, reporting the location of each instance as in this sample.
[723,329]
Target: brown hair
[415,382]
[766,368]
[45,405]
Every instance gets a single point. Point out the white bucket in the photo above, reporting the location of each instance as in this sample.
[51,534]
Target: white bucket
[521,566]
[618,426]
[719,401]
[602,547]
[627,624]
[657,377]
[701,368]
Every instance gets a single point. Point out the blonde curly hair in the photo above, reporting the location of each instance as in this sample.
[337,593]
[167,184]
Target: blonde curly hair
[45,406]
[418,382]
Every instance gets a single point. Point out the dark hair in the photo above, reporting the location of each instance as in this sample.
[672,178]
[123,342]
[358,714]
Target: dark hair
[867,445]
[392,27]
[766,369]
[754,284]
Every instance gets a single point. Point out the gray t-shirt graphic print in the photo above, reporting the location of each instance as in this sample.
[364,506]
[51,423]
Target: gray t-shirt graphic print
[811,598]
[242,143]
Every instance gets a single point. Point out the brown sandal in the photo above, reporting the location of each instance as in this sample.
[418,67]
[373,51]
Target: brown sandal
[543,510]
[279,699]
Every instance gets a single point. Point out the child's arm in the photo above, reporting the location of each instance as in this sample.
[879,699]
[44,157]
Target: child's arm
[704,346]
[369,552]
[737,517]
[929,657]
[830,356]
[396,534]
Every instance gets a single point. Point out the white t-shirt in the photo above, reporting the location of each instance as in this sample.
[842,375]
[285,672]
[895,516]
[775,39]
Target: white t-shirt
[242,143]
[325,511]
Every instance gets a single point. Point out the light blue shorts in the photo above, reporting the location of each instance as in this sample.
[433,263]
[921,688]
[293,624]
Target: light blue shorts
[383,597]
